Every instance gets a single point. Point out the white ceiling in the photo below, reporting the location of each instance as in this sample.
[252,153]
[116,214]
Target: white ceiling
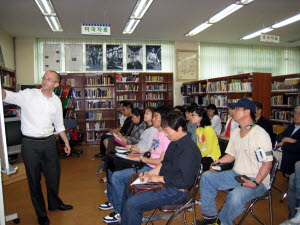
[165,19]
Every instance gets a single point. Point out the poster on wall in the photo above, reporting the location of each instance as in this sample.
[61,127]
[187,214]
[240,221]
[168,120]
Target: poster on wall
[73,57]
[153,59]
[134,57]
[114,55]
[52,57]
[94,57]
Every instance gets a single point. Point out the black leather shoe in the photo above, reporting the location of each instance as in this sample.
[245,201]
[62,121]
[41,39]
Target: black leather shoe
[64,207]
[99,155]
[44,220]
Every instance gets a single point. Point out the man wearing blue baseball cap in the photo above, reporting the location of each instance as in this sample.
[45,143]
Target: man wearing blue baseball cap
[249,177]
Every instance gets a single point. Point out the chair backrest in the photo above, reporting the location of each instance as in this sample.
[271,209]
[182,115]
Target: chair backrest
[196,185]
[273,170]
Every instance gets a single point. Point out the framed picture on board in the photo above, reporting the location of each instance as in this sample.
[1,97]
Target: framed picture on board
[153,57]
[114,57]
[187,64]
[94,57]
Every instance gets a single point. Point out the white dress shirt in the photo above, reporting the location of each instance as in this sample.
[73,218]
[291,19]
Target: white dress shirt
[38,113]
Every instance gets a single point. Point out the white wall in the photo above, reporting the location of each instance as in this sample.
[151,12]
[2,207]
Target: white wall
[25,60]
[182,45]
[7,46]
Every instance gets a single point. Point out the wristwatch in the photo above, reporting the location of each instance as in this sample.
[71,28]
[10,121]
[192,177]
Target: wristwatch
[255,183]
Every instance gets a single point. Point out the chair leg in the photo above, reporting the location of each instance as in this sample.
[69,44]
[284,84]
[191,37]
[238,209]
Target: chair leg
[150,218]
[270,208]
[194,213]
[284,195]
[246,213]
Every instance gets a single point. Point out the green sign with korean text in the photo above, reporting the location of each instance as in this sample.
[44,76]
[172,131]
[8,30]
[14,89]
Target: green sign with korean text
[95,29]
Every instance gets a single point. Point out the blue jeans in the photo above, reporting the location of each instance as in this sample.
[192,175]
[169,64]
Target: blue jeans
[119,180]
[236,199]
[133,206]
[294,191]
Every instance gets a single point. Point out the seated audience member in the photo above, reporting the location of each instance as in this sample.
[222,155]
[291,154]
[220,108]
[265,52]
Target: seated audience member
[177,171]
[138,128]
[125,129]
[264,122]
[191,128]
[179,108]
[122,117]
[207,139]
[231,124]
[147,136]
[294,197]
[215,119]
[241,148]
[119,179]
[289,141]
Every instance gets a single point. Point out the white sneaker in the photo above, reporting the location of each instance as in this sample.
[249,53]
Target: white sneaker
[296,218]
[106,206]
[112,218]
[287,222]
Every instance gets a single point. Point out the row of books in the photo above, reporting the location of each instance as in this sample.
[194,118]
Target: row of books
[287,84]
[285,100]
[71,82]
[7,80]
[157,78]
[98,104]
[93,136]
[75,93]
[201,100]
[127,78]
[218,100]
[95,126]
[93,115]
[218,86]
[62,92]
[68,103]
[155,96]
[128,87]
[277,114]
[156,87]
[240,87]
[197,88]
[97,93]
[125,97]
[100,80]
[154,104]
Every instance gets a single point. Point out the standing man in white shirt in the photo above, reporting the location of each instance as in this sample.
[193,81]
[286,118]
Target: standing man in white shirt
[41,109]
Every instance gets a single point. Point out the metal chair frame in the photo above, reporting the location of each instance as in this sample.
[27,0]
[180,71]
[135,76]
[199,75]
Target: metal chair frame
[189,203]
[266,195]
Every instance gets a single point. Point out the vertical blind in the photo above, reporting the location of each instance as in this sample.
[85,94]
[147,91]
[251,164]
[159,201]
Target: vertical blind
[227,59]
[167,52]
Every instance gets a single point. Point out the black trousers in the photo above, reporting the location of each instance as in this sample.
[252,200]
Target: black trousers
[41,156]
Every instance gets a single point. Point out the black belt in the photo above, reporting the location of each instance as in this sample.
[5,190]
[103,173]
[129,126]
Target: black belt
[37,138]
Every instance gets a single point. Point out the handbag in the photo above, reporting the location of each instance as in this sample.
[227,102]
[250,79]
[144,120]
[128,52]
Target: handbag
[140,188]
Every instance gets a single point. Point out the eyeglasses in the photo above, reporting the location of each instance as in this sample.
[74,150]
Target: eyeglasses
[49,80]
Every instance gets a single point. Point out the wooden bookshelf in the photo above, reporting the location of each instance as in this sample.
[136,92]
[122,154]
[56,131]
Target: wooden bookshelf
[97,97]
[285,96]
[223,90]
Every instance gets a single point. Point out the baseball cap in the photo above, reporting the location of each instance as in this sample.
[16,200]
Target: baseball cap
[243,103]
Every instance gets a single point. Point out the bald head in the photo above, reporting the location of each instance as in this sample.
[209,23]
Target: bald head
[58,78]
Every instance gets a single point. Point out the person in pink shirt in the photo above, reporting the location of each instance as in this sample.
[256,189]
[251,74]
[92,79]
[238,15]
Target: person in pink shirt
[119,179]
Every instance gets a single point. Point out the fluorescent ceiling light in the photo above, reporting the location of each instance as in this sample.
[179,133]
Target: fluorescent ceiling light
[140,8]
[257,33]
[220,15]
[287,21]
[276,25]
[45,7]
[225,12]
[137,14]
[198,29]
[54,23]
[130,26]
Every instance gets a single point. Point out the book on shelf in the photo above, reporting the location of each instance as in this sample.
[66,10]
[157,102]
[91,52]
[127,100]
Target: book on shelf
[65,91]
[277,114]
[287,84]
[58,92]
[93,115]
